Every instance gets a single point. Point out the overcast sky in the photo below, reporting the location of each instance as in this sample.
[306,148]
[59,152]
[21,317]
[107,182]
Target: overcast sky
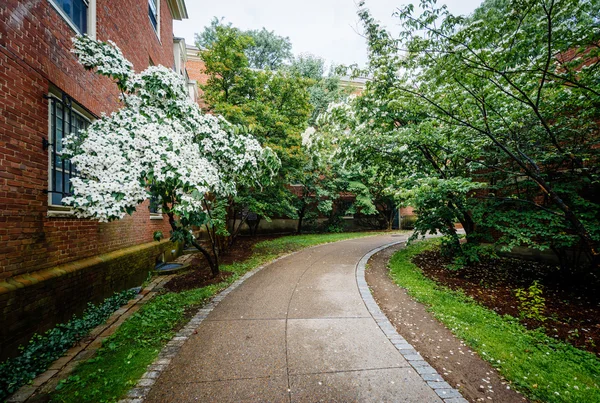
[326,28]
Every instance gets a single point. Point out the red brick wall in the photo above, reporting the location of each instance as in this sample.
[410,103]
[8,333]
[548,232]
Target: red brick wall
[195,69]
[35,44]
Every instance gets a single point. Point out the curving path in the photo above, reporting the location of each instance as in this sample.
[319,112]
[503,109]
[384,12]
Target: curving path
[296,331]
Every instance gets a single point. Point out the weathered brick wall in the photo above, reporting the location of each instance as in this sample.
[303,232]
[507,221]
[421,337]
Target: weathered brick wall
[196,71]
[35,302]
[35,44]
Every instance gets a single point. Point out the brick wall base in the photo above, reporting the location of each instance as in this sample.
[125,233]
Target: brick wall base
[35,302]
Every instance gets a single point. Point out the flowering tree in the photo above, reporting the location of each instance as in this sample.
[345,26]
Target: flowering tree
[498,113]
[158,145]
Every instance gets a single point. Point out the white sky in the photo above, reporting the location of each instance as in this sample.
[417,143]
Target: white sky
[327,28]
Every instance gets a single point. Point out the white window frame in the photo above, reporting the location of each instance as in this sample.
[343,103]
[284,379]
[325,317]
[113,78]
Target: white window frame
[157,29]
[91,18]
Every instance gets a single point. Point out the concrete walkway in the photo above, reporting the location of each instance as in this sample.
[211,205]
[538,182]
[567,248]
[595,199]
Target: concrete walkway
[297,331]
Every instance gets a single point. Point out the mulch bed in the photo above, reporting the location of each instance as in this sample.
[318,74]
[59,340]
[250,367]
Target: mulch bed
[572,309]
[199,274]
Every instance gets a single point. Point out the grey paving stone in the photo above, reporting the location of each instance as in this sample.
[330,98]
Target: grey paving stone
[138,392]
[447,393]
[425,370]
[408,351]
[432,377]
[439,385]
[413,357]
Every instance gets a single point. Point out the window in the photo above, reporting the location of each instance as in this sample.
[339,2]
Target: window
[155,206]
[153,13]
[63,120]
[75,12]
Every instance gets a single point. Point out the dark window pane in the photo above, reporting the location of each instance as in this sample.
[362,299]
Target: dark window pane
[154,205]
[76,11]
[62,169]
[57,194]
[153,13]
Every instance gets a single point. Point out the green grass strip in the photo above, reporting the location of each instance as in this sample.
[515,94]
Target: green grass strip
[124,357]
[537,365]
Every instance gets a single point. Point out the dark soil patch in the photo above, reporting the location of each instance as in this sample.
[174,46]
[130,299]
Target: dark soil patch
[197,277]
[461,367]
[572,311]
[199,274]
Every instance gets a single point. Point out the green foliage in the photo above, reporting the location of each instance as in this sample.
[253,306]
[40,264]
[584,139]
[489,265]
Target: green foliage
[209,35]
[538,366]
[309,66]
[275,106]
[531,302]
[267,50]
[42,350]
[489,120]
[124,356]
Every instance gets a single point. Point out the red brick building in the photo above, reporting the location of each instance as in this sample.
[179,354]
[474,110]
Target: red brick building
[52,264]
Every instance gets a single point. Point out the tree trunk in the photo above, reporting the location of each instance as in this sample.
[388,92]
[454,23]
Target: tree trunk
[214,267]
[300,218]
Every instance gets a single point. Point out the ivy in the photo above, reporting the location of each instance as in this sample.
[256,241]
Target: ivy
[44,349]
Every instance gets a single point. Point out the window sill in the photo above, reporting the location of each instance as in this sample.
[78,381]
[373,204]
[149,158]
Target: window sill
[58,212]
[156,216]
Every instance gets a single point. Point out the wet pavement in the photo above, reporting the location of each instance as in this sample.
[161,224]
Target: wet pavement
[297,331]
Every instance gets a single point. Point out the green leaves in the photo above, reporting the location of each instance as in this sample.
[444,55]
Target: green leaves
[42,350]
[486,120]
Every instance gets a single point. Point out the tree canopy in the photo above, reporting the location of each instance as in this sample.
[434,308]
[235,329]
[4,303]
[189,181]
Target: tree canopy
[490,120]
[158,145]
[267,50]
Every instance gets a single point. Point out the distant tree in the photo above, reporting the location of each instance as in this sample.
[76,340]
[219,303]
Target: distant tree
[324,92]
[309,66]
[269,51]
[206,38]
[266,51]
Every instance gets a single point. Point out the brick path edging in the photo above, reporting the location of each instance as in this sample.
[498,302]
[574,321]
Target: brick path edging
[433,379]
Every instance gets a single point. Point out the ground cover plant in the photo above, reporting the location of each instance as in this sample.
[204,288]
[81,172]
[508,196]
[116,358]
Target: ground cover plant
[35,357]
[123,358]
[540,295]
[539,366]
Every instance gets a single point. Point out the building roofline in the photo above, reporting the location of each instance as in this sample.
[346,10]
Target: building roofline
[178,9]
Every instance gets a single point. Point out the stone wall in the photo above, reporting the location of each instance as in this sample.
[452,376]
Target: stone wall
[34,302]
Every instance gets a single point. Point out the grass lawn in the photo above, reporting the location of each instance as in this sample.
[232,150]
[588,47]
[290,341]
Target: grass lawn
[123,358]
[538,366]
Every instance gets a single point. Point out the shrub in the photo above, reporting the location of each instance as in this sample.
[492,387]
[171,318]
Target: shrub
[531,303]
